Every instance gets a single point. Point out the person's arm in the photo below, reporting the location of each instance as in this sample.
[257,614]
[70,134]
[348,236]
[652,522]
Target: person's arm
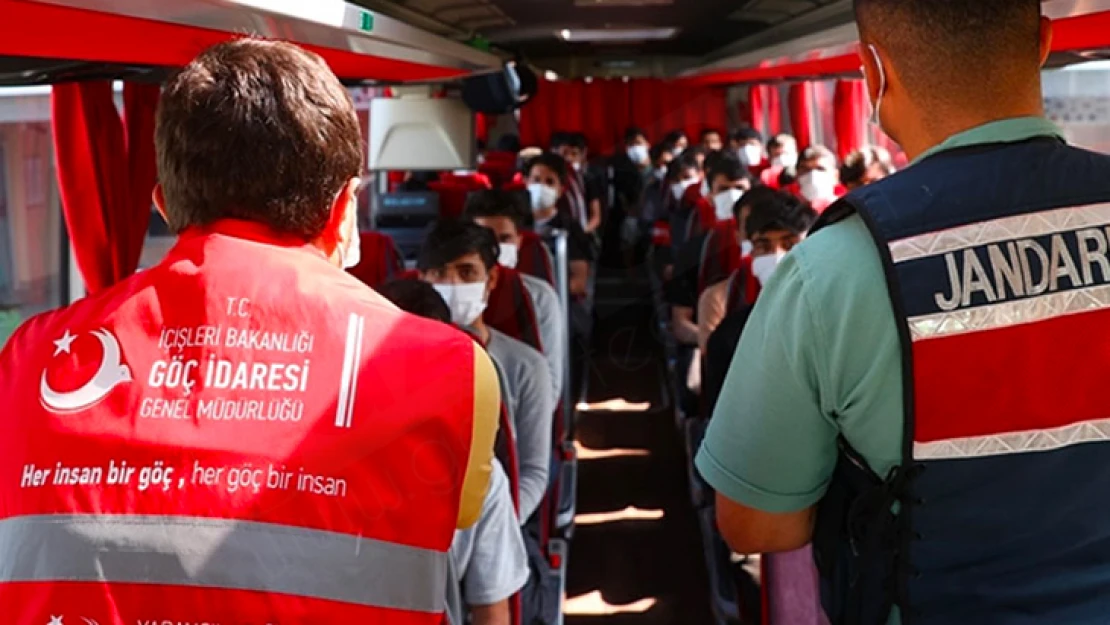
[536,408]
[498,567]
[683,328]
[579,278]
[594,221]
[771,448]
[712,307]
[496,614]
[487,413]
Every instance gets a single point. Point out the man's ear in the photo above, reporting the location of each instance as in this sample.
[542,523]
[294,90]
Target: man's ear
[1046,39]
[494,276]
[343,208]
[159,198]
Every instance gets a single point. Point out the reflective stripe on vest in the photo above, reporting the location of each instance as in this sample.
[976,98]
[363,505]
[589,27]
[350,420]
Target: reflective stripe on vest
[222,554]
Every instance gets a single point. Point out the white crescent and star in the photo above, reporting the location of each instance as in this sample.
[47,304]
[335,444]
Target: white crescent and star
[56,620]
[111,374]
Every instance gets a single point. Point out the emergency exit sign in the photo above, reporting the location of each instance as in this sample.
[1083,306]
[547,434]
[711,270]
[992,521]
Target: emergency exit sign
[366,23]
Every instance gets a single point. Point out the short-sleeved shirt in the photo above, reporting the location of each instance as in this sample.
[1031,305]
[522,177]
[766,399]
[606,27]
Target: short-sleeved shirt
[489,559]
[579,245]
[819,358]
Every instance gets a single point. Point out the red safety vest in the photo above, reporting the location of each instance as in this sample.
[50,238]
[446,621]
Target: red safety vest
[242,434]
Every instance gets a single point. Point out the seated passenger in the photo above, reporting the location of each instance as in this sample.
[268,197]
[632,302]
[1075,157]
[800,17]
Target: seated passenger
[712,140]
[818,178]
[782,153]
[489,562]
[459,258]
[865,166]
[631,170]
[498,211]
[546,176]
[747,144]
[777,222]
[683,175]
[679,140]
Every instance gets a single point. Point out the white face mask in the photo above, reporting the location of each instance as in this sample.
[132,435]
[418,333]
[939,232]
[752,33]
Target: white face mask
[679,188]
[510,255]
[745,248]
[750,155]
[724,201]
[764,266]
[576,165]
[817,185]
[785,160]
[877,106]
[660,173]
[638,154]
[704,188]
[678,150]
[350,254]
[543,196]
[466,301]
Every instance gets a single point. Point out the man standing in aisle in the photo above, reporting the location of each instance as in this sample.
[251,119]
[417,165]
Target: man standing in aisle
[245,432]
[929,406]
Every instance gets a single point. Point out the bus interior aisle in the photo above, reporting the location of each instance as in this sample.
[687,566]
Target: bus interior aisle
[636,558]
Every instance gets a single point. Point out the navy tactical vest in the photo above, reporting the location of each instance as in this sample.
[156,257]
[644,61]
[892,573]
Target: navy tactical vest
[998,266]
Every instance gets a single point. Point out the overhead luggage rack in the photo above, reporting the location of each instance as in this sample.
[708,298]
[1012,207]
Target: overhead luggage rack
[359,45]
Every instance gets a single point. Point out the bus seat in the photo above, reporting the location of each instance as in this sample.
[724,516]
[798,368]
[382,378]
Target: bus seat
[473,181]
[506,453]
[743,287]
[720,255]
[381,260]
[510,309]
[452,197]
[535,259]
[718,560]
[499,168]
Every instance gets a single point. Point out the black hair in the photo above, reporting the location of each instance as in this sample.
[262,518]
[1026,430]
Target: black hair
[416,297]
[508,143]
[955,48]
[745,134]
[559,138]
[552,161]
[577,140]
[725,164]
[711,131]
[673,137]
[857,163]
[633,133]
[497,203]
[451,239]
[775,210]
[684,162]
[658,150]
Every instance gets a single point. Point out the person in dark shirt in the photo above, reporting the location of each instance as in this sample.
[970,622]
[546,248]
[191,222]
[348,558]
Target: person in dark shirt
[546,177]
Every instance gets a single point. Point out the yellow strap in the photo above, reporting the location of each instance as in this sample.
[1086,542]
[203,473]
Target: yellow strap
[487,413]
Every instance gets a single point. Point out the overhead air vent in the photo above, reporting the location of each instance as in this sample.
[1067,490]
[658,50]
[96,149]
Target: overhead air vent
[616,35]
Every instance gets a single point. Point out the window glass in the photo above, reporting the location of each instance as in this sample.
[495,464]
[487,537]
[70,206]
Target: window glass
[1077,98]
[31,258]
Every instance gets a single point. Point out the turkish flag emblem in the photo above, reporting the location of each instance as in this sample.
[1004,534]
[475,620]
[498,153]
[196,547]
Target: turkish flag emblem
[83,370]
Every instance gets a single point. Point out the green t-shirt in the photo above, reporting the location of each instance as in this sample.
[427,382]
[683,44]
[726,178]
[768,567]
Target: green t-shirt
[819,358]
[9,321]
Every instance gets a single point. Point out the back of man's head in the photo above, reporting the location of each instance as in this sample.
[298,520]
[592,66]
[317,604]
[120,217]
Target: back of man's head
[554,162]
[727,167]
[955,49]
[417,297]
[777,211]
[451,239]
[497,203]
[259,131]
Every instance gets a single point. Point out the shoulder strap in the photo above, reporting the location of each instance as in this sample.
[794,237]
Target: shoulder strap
[839,211]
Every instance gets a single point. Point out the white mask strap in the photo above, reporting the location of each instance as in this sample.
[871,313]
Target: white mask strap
[877,107]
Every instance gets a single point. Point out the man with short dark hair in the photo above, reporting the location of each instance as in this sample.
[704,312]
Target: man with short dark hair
[244,429]
[712,140]
[747,144]
[818,179]
[459,258]
[929,403]
[499,211]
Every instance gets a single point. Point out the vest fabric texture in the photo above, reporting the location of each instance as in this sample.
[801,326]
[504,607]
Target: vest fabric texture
[242,434]
[999,277]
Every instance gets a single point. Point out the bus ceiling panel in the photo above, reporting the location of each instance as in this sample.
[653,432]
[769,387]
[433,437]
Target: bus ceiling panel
[1083,36]
[359,44]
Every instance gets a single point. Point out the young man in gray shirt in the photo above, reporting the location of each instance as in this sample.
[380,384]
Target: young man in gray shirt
[459,259]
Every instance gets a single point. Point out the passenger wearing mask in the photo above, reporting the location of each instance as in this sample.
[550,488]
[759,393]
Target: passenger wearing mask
[500,212]
[747,144]
[488,562]
[772,222]
[782,155]
[728,182]
[259,254]
[712,140]
[631,170]
[912,413]
[866,166]
[654,201]
[545,176]
[459,258]
[582,192]
[818,179]
[685,178]
[679,140]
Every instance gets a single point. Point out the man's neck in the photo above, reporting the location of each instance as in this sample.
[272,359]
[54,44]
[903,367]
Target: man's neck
[482,330]
[939,127]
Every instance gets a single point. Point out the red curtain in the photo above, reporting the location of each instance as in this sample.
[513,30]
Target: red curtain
[106,172]
[801,113]
[603,109]
[851,108]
